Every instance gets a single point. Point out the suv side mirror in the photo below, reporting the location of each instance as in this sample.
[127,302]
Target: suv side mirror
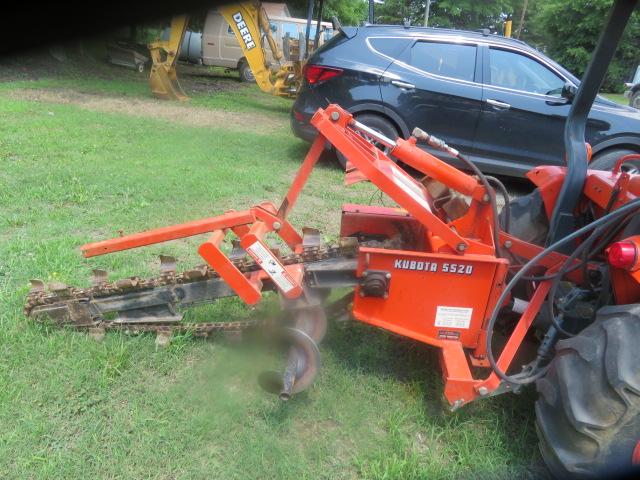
[568,91]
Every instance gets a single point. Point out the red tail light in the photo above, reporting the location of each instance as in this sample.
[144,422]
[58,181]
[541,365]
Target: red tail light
[314,74]
[623,254]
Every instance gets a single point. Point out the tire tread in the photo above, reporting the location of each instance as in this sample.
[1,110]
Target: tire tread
[590,399]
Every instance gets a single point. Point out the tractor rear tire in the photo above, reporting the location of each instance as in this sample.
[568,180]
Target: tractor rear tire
[588,410]
[608,159]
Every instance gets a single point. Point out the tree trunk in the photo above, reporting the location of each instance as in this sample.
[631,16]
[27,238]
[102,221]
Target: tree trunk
[521,23]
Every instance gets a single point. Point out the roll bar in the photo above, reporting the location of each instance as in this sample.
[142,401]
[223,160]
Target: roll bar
[563,219]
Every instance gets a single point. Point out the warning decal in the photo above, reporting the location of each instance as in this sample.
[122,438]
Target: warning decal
[453,317]
[270,264]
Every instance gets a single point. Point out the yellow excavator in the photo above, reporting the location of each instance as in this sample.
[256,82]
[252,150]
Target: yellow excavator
[250,23]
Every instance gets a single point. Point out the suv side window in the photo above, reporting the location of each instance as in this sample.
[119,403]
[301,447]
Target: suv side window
[520,72]
[451,60]
[391,47]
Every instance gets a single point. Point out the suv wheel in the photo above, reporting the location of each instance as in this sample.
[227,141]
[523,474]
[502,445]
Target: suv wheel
[634,101]
[377,123]
[607,160]
[246,75]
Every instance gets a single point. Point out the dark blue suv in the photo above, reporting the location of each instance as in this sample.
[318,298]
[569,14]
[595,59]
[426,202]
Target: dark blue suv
[498,100]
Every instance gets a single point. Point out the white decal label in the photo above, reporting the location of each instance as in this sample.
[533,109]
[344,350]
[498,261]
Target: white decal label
[270,264]
[453,317]
[244,31]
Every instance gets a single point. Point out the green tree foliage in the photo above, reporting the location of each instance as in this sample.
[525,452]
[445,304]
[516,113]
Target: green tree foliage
[464,14]
[569,30]
[349,12]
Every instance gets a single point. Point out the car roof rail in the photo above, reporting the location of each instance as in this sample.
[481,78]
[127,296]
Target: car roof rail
[485,32]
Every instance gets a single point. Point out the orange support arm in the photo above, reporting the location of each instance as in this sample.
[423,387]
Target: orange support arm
[165,234]
[210,251]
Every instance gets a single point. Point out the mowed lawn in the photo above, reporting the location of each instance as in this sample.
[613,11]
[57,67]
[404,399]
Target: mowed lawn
[78,165]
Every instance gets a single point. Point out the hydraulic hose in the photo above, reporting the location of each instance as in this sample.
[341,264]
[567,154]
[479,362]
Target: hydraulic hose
[602,221]
[507,208]
[440,144]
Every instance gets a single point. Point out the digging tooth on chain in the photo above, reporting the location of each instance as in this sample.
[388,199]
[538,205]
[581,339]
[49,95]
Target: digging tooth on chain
[82,304]
[97,333]
[127,283]
[311,239]
[196,273]
[60,289]
[167,265]
[99,277]
[163,338]
[36,286]
[237,252]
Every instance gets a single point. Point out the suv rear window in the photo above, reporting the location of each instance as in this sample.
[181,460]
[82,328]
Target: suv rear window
[451,60]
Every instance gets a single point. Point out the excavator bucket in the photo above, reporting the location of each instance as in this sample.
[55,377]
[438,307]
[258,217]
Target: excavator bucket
[164,83]
[164,54]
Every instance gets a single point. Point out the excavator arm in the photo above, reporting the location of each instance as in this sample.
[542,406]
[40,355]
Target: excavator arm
[251,26]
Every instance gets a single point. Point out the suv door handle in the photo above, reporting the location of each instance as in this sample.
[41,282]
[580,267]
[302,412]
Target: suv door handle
[398,83]
[497,104]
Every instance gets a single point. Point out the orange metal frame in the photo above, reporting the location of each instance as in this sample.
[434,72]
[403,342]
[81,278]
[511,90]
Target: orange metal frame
[447,301]
[416,297]
[250,226]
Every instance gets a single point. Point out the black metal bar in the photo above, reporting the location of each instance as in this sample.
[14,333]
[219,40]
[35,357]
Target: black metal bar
[316,40]
[563,221]
[310,4]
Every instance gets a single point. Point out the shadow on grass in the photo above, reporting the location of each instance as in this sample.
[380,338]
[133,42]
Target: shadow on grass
[508,419]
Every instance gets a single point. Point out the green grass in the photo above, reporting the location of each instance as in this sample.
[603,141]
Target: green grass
[74,408]
[617,97]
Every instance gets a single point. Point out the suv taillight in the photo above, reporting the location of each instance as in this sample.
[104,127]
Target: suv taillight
[314,74]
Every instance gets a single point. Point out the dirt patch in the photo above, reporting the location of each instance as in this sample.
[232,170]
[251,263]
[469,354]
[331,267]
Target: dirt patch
[156,109]
[198,79]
